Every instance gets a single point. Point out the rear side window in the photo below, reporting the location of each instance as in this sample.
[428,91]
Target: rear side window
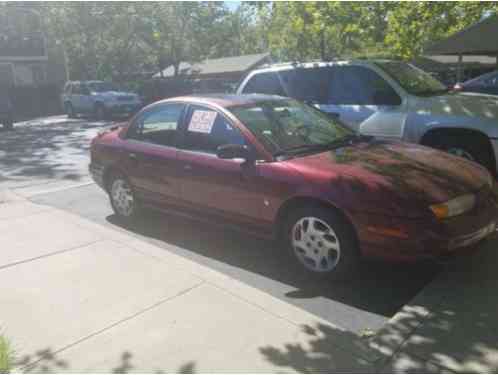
[207,129]
[158,125]
[271,83]
[311,85]
[357,85]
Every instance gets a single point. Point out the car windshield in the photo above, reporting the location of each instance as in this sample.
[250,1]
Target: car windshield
[102,86]
[413,80]
[288,124]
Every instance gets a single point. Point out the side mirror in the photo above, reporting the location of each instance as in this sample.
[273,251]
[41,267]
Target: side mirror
[386,98]
[232,151]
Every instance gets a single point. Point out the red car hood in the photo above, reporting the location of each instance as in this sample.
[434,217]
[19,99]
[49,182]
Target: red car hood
[392,175]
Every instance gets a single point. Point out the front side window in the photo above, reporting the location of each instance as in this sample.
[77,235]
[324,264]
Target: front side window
[158,125]
[413,80]
[76,89]
[286,124]
[207,129]
[357,85]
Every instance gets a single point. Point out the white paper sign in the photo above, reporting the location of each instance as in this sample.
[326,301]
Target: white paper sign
[202,121]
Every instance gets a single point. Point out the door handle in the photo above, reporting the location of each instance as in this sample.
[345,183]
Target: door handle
[187,167]
[133,157]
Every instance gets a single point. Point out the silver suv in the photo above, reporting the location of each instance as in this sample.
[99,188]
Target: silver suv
[99,99]
[392,100]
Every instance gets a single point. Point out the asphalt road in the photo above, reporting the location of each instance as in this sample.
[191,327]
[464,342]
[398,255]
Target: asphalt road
[52,171]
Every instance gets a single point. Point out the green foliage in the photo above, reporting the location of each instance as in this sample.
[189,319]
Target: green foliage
[115,39]
[5,356]
[415,25]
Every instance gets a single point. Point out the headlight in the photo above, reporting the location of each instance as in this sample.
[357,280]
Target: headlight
[454,207]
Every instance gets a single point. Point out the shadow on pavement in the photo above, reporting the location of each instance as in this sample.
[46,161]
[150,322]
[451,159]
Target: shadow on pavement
[53,151]
[323,348]
[379,288]
[48,361]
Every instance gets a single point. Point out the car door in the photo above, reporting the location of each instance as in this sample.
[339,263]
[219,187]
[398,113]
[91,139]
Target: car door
[365,101]
[75,97]
[85,100]
[210,184]
[150,158]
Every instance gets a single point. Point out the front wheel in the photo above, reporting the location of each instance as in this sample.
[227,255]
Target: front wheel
[122,198]
[470,147]
[70,110]
[321,242]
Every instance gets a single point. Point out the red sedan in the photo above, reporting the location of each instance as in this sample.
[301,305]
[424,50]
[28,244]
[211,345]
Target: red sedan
[277,167]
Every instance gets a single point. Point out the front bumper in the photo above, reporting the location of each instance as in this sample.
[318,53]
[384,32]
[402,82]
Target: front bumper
[428,238]
[97,174]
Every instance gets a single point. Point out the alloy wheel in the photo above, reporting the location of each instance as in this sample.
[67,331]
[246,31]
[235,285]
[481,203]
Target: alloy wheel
[122,197]
[315,244]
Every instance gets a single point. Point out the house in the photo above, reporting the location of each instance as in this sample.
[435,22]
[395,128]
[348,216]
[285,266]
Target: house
[220,75]
[31,66]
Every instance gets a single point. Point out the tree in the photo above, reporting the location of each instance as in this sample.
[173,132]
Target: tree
[177,31]
[414,25]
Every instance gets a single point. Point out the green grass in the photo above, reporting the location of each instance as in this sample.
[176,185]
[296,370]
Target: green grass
[5,355]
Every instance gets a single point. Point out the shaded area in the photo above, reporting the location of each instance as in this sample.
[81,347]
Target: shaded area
[451,326]
[49,361]
[380,288]
[365,302]
[47,151]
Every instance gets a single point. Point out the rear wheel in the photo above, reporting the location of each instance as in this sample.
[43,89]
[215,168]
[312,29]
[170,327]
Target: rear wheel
[321,242]
[8,124]
[122,198]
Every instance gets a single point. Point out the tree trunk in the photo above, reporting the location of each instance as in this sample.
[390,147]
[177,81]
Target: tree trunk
[323,52]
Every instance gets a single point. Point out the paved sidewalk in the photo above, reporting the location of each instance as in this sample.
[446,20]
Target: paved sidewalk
[76,296]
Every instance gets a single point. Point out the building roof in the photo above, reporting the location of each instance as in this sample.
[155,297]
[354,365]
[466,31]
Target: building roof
[443,62]
[477,39]
[236,64]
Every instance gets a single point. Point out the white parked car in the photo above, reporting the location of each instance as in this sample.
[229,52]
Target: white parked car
[392,100]
[99,99]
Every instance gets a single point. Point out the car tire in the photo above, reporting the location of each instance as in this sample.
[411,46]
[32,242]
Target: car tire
[321,242]
[473,149]
[99,112]
[70,110]
[8,125]
[122,198]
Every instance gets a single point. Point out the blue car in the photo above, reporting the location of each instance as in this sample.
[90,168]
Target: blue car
[99,99]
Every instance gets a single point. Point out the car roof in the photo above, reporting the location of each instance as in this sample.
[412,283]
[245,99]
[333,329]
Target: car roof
[225,100]
[317,64]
